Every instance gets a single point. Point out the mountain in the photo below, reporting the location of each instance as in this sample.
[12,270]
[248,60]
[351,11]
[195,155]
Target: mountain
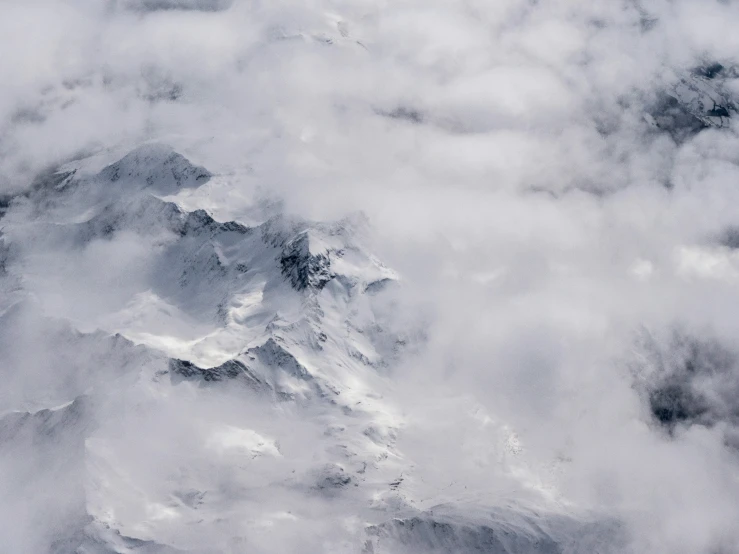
[212,386]
[700,98]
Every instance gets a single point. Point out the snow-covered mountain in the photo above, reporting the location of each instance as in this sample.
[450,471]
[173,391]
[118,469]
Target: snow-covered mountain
[698,99]
[231,394]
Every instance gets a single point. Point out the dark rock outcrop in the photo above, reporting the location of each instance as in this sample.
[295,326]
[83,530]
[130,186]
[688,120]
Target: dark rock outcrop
[305,270]
[231,369]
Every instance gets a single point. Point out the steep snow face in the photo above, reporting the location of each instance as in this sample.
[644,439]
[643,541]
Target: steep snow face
[236,383]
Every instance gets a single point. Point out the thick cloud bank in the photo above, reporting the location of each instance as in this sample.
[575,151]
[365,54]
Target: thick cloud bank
[376,277]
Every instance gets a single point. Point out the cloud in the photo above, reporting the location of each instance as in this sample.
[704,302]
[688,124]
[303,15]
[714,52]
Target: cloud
[543,176]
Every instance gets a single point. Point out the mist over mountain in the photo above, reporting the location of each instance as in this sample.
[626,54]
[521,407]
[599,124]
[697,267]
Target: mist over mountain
[369,277]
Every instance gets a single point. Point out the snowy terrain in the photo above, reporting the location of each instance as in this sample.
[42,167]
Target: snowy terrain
[263,354]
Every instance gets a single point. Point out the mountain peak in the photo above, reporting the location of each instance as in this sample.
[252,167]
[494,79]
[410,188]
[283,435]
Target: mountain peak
[157,167]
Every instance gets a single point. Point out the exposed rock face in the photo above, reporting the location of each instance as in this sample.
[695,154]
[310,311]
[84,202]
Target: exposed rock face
[228,370]
[232,369]
[697,101]
[306,270]
[312,255]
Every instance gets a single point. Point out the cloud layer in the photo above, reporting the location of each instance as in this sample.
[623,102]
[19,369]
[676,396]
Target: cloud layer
[535,171]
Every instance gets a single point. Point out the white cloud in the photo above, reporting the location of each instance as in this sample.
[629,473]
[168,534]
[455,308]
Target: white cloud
[500,150]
